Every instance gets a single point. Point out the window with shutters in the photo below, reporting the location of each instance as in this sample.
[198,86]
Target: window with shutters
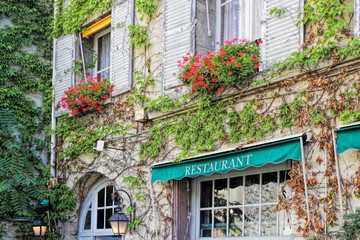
[241,204]
[97,209]
[202,23]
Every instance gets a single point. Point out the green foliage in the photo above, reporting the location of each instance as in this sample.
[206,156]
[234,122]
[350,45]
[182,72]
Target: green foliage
[146,8]
[351,226]
[139,35]
[278,11]
[70,19]
[19,167]
[25,50]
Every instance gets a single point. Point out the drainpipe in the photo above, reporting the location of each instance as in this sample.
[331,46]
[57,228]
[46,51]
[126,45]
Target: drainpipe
[53,171]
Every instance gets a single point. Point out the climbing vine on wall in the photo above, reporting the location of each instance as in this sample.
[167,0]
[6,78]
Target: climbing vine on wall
[203,123]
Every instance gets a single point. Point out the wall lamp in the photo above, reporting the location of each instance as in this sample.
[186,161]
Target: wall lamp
[119,221]
[39,227]
[100,145]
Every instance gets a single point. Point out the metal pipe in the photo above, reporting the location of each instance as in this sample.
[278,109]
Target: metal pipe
[305,179]
[338,178]
[208,18]
[82,56]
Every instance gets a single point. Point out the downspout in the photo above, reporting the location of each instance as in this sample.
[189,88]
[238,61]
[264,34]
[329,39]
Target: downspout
[338,178]
[305,179]
[53,162]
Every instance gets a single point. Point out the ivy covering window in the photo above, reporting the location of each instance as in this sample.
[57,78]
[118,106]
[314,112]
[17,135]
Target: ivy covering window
[241,206]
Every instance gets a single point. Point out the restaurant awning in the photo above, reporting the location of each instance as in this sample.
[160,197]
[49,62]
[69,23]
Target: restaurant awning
[255,155]
[347,137]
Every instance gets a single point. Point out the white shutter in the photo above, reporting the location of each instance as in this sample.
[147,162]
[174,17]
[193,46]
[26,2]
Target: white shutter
[63,74]
[282,36]
[178,37]
[121,50]
[357,18]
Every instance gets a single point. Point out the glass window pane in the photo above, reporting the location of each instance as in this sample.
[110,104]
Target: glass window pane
[205,223]
[268,221]
[284,225]
[220,220]
[252,189]
[235,222]
[269,189]
[87,224]
[284,176]
[230,19]
[220,192]
[236,191]
[104,51]
[251,227]
[109,192]
[100,218]
[206,194]
[109,213]
[101,197]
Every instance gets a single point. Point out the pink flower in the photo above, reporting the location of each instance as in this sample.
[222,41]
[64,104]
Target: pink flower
[219,89]
[259,41]
[111,89]
[257,65]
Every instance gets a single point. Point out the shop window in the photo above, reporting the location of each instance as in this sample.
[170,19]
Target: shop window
[240,205]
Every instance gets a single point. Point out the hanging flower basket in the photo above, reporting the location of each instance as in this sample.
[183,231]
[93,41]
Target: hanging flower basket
[231,65]
[86,96]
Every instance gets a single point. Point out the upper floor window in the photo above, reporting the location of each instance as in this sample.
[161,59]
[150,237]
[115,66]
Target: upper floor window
[102,50]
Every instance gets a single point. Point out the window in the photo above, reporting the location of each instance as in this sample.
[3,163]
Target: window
[97,209]
[102,49]
[240,205]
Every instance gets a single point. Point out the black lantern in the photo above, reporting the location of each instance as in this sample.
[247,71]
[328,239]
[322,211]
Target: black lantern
[39,227]
[118,221]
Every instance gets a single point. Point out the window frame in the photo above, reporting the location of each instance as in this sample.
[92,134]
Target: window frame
[195,199]
[98,35]
[92,198]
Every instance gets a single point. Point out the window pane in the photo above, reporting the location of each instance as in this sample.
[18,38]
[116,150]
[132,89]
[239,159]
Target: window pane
[284,175]
[284,225]
[206,194]
[268,221]
[100,218]
[235,222]
[205,223]
[236,191]
[87,224]
[220,193]
[251,221]
[104,51]
[230,19]
[101,197]
[220,220]
[109,213]
[109,191]
[269,188]
[252,189]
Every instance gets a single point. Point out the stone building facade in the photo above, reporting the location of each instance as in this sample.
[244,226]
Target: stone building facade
[276,181]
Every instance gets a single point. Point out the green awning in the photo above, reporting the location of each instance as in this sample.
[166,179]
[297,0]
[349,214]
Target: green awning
[274,152]
[347,138]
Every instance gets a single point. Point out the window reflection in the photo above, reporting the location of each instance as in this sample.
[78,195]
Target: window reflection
[242,206]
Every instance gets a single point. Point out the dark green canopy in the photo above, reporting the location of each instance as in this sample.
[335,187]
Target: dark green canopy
[347,137]
[274,152]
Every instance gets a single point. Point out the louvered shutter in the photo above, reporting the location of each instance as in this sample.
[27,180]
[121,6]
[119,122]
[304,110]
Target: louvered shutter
[357,18]
[282,36]
[121,50]
[64,56]
[178,37]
